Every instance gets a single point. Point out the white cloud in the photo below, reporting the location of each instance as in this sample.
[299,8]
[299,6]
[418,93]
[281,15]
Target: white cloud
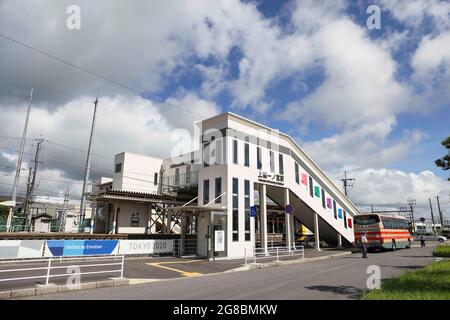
[392,188]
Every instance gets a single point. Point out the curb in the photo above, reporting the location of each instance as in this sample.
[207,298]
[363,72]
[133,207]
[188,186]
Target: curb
[289,262]
[53,288]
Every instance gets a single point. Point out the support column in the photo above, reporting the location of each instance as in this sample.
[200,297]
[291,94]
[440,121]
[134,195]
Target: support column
[149,220]
[94,211]
[263,209]
[287,219]
[169,221]
[339,239]
[292,229]
[115,218]
[183,230]
[316,232]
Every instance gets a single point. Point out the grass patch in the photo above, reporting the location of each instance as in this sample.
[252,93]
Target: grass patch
[442,251]
[429,283]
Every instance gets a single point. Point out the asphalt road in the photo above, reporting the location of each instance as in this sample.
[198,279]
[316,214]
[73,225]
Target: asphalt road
[338,278]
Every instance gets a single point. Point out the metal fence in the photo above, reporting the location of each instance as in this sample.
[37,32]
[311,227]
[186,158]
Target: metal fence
[270,254]
[185,247]
[54,263]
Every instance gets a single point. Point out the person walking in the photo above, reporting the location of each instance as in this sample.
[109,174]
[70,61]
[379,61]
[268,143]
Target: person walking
[364,242]
[422,241]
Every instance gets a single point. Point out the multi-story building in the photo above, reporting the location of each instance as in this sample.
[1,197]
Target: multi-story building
[245,177]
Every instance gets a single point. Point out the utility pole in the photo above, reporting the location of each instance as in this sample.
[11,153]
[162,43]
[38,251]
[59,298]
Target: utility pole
[19,164]
[87,169]
[62,220]
[412,203]
[433,227]
[348,182]
[27,196]
[440,213]
[30,194]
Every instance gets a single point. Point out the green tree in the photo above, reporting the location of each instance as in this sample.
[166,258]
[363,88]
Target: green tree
[444,162]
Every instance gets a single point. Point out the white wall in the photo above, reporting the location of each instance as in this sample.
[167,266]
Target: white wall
[137,173]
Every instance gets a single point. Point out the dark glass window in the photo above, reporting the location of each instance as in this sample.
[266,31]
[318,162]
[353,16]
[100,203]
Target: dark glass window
[297,173]
[155,178]
[311,187]
[118,167]
[218,190]
[205,191]
[345,219]
[258,158]
[280,163]
[247,155]
[247,209]
[235,217]
[235,152]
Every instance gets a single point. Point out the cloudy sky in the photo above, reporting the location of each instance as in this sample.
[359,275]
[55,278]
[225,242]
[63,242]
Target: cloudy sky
[374,102]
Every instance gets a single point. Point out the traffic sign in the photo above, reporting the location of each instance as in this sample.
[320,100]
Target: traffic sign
[288,208]
[253,211]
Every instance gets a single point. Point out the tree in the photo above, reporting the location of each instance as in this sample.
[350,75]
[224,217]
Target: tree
[444,162]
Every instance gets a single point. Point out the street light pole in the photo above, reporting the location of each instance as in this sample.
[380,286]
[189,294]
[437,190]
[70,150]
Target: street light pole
[19,164]
[87,169]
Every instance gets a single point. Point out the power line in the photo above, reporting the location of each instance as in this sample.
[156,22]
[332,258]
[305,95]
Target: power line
[92,73]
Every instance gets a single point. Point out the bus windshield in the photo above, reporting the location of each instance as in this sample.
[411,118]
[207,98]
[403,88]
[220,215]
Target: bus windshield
[365,220]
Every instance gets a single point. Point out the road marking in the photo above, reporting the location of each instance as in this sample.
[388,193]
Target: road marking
[182,272]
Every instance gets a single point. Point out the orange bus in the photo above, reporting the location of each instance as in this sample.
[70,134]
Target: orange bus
[382,231]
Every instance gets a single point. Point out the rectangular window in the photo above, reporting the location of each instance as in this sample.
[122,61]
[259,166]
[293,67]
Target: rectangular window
[118,167]
[235,152]
[218,152]
[272,162]
[155,178]
[258,158]
[235,217]
[317,191]
[334,209]
[345,219]
[188,174]
[205,191]
[323,199]
[247,155]
[297,174]
[206,155]
[311,187]
[280,163]
[177,177]
[340,213]
[247,209]
[218,190]
[350,224]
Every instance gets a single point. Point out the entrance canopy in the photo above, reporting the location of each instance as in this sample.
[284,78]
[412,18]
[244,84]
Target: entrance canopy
[196,209]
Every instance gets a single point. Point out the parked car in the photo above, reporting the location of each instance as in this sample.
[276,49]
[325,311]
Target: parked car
[431,238]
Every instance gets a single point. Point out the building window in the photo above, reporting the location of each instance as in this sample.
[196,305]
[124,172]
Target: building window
[235,217]
[323,199]
[206,155]
[218,152]
[188,174]
[334,209]
[218,190]
[272,164]
[345,219]
[155,178]
[297,174]
[118,167]
[205,191]
[311,187]
[258,158]
[247,209]
[177,176]
[235,152]
[247,155]
[280,163]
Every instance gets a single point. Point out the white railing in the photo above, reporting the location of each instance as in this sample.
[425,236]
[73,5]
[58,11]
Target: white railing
[50,266]
[258,255]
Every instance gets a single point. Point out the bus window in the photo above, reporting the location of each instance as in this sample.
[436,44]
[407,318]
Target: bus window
[364,220]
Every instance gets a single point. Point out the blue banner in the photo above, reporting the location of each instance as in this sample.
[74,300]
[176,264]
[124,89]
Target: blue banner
[81,247]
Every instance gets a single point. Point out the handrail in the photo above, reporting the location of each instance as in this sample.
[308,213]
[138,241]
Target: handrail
[274,253]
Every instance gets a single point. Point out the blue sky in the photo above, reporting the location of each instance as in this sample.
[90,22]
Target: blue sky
[374,102]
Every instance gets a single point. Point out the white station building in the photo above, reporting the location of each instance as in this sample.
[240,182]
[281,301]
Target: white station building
[246,183]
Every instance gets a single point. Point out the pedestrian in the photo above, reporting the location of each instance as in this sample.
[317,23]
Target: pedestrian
[364,242]
[422,241]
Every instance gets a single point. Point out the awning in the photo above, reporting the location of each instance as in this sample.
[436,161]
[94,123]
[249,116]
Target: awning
[197,208]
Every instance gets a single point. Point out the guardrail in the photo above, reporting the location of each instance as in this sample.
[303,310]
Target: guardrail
[256,255]
[50,266]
